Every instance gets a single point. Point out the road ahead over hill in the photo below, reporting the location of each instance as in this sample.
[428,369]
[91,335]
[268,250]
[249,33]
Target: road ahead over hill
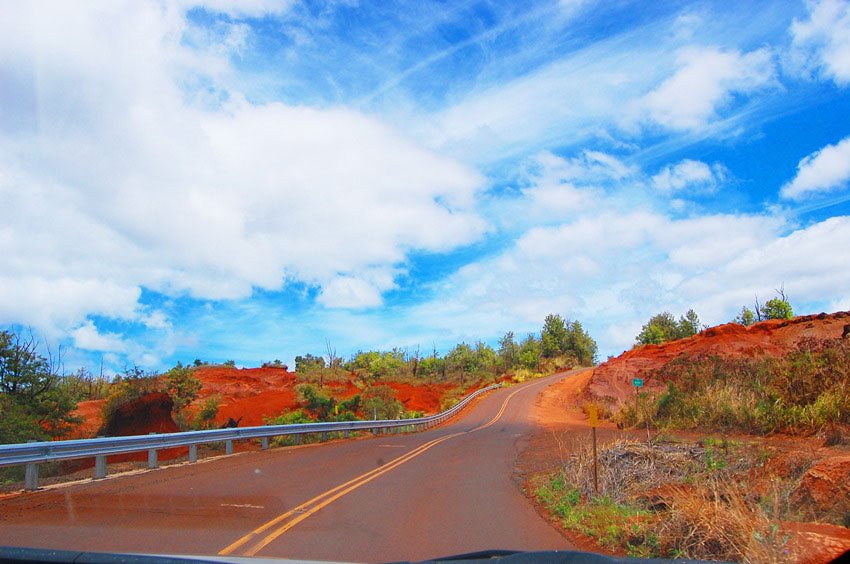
[445,491]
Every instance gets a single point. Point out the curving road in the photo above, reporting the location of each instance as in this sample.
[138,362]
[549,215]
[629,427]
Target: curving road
[392,497]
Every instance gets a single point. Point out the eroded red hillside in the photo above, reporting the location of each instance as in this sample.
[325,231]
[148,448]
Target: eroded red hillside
[251,395]
[612,380]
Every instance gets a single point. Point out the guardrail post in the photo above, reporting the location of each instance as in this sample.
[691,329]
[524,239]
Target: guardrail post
[31,477]
[100,466]
[299,438]
[152,457]
[324,436]
[31,474]
[228,447]
[193,453]
[264,443]
[345,433]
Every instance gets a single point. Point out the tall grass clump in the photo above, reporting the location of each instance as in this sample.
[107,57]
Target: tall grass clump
[805,392]
[666,500]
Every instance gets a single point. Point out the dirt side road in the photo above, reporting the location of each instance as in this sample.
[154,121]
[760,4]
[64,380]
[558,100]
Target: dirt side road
[445,491]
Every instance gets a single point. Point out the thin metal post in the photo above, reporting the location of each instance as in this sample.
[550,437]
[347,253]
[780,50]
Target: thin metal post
[264,443]
[193,453]
[99,467]
[345,433]
[324,436]
[228,447]
[298,439]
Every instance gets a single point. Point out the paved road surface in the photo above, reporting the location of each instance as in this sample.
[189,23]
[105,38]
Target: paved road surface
[444,491]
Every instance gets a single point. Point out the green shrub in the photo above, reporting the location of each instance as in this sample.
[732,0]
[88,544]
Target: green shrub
[205,417]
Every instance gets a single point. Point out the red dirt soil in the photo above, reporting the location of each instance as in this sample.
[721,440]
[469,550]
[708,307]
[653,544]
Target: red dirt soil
[251,395]
[612,380]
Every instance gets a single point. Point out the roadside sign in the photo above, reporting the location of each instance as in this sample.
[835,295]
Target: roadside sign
[593,415]
[637,382]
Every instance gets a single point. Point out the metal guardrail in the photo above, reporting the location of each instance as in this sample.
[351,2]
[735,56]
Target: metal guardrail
[35,453]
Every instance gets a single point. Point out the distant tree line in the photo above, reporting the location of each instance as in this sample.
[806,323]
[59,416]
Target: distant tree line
[37,402]
[560,343]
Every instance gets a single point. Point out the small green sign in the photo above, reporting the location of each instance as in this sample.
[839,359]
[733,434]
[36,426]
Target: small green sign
[638,382]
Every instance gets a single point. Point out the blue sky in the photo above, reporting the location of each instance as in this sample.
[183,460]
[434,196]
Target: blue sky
[248,180]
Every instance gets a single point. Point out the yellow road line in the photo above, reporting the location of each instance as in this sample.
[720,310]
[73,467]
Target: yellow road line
[253,534]
[315,504]
[286,526]
[501,411]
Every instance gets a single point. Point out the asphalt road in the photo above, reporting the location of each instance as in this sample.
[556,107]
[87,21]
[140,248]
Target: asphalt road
[445,491]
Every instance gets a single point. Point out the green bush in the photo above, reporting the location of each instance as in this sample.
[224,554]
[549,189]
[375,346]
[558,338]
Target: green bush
[205,417]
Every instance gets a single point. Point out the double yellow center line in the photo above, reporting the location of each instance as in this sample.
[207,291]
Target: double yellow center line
[260,537]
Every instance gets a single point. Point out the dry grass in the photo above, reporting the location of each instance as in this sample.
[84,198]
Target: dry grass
[715,520]
[666,500]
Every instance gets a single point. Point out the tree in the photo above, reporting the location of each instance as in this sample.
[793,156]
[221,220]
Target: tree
[461,359]
[486,358]
[689,324]
[16,425]
[308,363]
[580,344]
[530,352]
[28,380]
[660,328]
[777,308]
[664,327]
[746,317]
[553,336]
[334,361]
[508,351]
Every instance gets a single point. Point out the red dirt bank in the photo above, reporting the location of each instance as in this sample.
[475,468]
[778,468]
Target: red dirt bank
[251,395]
[612,380]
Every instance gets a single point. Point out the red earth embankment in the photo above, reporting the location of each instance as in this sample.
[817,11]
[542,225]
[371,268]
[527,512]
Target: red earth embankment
[612,381]
[252,395]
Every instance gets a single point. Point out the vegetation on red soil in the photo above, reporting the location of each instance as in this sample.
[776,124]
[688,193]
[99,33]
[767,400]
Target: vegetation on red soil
[612,381]
[792,490]
[252,395]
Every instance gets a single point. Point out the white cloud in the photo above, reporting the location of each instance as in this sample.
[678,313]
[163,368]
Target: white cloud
[87,337]
[688,175]
[130,161]
[825,170]
[822,43]
[613,266]
[705,82]
[356,292]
